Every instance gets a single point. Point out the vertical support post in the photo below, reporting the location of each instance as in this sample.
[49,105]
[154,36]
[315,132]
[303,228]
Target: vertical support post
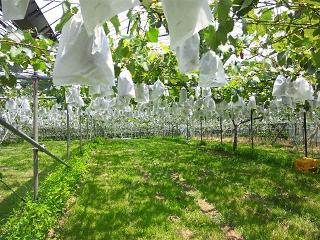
[201,137]
[87,127]
[80,130]
[221,131]
[188,128]
[68,133]
[305,134]
[35,82]
[317,135]
[295,133]
[177,130]
[172,129]
[94,129]
[251,128]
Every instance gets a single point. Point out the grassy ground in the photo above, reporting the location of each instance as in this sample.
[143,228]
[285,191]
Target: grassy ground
[16,166]
[166,189]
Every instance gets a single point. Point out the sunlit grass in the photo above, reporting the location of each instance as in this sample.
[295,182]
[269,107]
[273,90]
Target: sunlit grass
[131,195]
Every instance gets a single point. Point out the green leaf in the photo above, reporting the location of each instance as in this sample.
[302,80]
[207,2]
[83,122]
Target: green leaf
[281,57]
[316,32]
[134,27]
[9,80]
[65,18]
[152,35]
[266,15]
[116,23]
[38,65]
[130,15]
[211,38]
[246,4]
[223,9]
[316,58]
[5,47]
[27,36]
[106,28]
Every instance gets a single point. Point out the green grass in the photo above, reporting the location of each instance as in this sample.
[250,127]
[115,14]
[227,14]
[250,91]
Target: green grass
[16,166]
[130,193]
[37,219]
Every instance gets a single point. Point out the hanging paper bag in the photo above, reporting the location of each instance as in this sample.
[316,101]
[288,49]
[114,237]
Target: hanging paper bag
[280,87]
[126,85]
[186,18]
[211,71]
[96,12]
[14,9]
[158,90]
[73,97]
[83,59]
[188,54]
[142,93]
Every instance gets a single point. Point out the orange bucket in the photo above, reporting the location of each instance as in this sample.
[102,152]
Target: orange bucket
[307,165]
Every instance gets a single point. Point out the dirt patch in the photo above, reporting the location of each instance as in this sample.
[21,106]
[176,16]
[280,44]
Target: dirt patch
[231,234]
[146,176]
[207,208]
[174,218]
[160,197]
[186,233]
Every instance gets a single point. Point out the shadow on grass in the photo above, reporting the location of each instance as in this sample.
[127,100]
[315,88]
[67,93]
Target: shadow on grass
[258,191]
[13,200]
[121,201]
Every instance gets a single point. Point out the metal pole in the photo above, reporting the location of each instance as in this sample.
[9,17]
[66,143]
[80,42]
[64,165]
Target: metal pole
[31,141]
[251,128]
[317,135]
[35,136]
[201,131]
[305,134]
[172,129]
[87,123]
[80,130]
[68,133]
[94,129]
[188,128]
[221,131]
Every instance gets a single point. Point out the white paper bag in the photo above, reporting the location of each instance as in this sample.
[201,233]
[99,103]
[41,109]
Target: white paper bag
[209,103]
[96,12]
[186,18]
[142,93]
[280,87]
[73,97]
[300,90]
[11,105]
[14,9]
[25,105]
[188,54]
[211,71]
[183,96]
[252,104]
[83,59]
[126,85]
[101,91]
[158,90]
